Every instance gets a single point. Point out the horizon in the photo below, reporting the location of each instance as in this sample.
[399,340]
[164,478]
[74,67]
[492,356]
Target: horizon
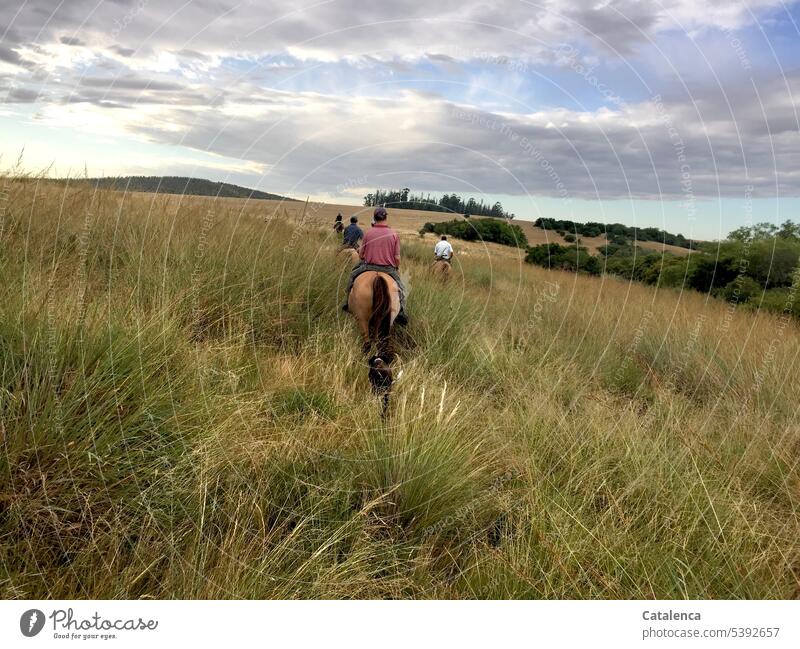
[644,114]
[434,195]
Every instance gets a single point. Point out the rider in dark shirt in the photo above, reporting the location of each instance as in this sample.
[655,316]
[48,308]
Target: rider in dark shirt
[352,234]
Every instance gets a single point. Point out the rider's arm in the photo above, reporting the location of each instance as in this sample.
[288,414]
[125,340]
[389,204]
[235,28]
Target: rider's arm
[396,250]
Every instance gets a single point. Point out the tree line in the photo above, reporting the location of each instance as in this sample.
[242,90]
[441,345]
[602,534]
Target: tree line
[404,199]
[757,266]
[616,233]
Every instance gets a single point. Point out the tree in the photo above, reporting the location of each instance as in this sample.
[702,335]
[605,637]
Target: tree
[709,272]
[789,230]
[764,230]
[405,199]
[544,254]
[485,229]
[742,289]
[771,262]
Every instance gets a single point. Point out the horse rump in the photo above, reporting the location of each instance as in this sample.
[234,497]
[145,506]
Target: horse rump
[380,320]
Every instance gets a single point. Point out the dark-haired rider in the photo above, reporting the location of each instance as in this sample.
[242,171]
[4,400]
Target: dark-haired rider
[352,234]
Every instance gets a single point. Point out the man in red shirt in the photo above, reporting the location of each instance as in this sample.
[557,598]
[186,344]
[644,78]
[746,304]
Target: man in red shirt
[380,251]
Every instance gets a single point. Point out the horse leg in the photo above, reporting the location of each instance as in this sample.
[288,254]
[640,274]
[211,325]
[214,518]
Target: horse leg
[363,326]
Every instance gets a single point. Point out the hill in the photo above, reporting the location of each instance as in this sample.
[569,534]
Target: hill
[182,185]
[410,222]
[616,233]
[186,414]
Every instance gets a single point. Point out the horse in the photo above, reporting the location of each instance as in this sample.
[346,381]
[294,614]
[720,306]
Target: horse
[374,302]
[348,254]
[441,269]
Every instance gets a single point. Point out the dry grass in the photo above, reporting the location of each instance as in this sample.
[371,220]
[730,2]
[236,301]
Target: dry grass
[185,413]
[409,222]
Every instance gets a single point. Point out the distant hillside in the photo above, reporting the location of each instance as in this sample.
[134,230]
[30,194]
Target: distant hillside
[182,185]
[616,233]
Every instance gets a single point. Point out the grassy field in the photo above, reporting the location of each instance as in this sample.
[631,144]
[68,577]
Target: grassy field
[186,413]
[410,222]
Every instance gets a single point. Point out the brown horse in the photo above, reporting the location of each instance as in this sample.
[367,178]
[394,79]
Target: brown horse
[441,269]
[374,302]
[349,255]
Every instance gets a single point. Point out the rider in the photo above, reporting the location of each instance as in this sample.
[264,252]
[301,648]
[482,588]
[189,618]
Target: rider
[352,234]
[338,226]
[443,250]
[380,251]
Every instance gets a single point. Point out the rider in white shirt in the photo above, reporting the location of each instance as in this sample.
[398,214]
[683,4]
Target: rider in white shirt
[443,249]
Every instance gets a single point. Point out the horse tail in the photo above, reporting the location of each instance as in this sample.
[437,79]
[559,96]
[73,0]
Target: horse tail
[380,324]
[381,318]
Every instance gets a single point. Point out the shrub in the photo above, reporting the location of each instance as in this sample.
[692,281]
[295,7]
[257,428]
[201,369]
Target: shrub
[772,262]
[544,254]
[492,230]
[553,255]
[708,272]
[673,273]
[779,300]
[742,289]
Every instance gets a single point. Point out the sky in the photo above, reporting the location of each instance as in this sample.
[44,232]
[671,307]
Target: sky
[674,114]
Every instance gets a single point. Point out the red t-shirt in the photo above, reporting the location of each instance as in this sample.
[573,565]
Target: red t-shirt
[381,245]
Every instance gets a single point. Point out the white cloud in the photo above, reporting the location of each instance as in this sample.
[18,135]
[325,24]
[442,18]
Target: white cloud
[174,73]
[312,142]
[339,28]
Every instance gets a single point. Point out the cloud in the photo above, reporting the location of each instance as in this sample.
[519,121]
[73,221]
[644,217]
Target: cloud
[13,57]
[207,75]
[71,40]
[125,52]
[341,28]
[22,96]
[130,82]
[660,148]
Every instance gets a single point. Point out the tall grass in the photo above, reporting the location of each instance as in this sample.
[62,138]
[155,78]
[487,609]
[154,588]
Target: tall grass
[185,413]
